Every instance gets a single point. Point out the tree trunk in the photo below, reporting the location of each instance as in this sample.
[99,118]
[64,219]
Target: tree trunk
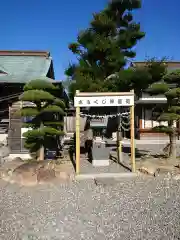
[41,150]
[172,150]
[41,153]
[118,135]
[58,147]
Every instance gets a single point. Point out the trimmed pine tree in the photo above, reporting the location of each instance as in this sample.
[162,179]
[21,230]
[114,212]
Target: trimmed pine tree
[170,111]
[46,114]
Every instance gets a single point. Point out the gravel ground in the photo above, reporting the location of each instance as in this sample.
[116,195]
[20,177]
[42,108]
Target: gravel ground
[139,208]
[154,148]
[143,149]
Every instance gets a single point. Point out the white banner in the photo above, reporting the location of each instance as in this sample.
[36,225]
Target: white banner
[104,101]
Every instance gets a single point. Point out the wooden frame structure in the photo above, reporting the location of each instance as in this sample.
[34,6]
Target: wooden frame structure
[121,99]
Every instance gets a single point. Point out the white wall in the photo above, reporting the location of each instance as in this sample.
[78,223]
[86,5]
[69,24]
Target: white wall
[148,118]
[23,130]
[147,121]
[3,137]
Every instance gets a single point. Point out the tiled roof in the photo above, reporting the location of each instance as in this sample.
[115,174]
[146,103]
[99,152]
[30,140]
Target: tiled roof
[171,65]
[169,69]
[23,68]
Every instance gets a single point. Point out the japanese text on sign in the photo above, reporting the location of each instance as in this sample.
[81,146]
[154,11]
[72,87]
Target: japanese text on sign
[104,101]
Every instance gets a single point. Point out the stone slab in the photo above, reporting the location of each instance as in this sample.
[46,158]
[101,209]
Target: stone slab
[100,163]
[106,175]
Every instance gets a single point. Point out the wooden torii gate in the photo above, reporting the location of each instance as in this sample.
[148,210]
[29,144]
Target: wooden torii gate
[104,99]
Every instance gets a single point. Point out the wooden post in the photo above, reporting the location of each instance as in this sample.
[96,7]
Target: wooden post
[119,138]
[21,107]
[9,117]
[132,138]
[120,145]
[77,138]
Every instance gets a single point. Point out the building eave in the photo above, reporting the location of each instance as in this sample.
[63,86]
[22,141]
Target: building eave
[151,100]
[24,53]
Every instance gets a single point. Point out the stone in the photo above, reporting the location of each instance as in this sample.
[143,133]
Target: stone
[5,142]
[18,159]
[45,175]
[105,181]
[6,175]
[33,173]
[100,154]
[100,162]
[150,170]
[29,167]
[11,164]
[7,159]
[62,175]
[4,151]
[167,169]
[177,177]
[177,165]
[24,178]
[48,165]
[25,174]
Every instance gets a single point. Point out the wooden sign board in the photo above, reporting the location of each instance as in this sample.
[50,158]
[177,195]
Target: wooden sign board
[103,101]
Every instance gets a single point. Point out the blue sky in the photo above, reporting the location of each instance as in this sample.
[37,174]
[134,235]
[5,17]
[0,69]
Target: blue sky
[52,25]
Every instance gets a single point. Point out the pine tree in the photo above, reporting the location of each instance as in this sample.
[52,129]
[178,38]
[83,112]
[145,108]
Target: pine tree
[169,112]
[104,49]
[141,78]
[44,109]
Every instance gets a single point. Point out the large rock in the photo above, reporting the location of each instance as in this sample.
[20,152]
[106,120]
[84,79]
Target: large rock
[24,178]
[32,173]
[45,175]
[25,174]
[9,166]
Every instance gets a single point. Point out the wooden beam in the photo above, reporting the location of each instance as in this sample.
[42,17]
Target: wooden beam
[97,94]
[24,53]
